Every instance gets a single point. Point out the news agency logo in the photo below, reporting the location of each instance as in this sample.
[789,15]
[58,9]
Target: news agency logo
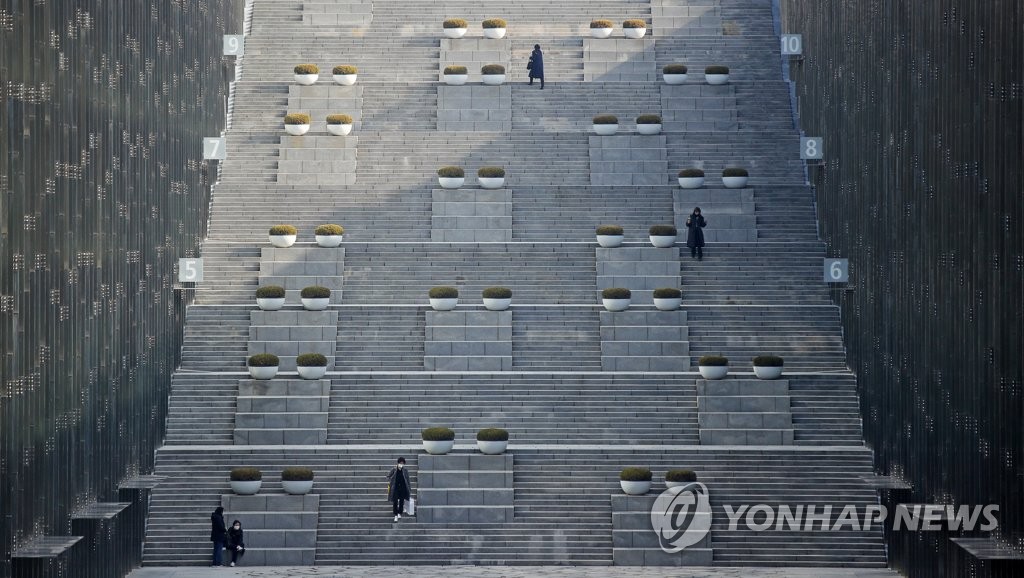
[681,516]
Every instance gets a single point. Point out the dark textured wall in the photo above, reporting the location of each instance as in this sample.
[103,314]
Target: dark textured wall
[920,104]
[102,188]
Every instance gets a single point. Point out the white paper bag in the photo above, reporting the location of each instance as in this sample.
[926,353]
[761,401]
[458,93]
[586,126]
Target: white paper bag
[410,506]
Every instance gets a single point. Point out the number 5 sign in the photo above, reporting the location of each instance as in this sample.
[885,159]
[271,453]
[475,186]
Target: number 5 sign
[190,270]
[837,270]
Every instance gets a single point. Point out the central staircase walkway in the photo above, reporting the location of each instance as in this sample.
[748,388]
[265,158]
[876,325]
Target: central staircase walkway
[573,426]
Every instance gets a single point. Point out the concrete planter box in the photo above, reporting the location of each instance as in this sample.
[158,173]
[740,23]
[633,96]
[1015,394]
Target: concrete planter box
[345,79]
[492,448]
[616,304]
[667,303]
[445,304]
[609,241]
[329,241]
[451,182]
[454,32]
[438,448]
[691,182]
[246,488]
[312,371]
[306,79]
[673,79]
[606,129]
[600,32]
[767,372]
[492,79]
[270,304]
[339,129]
[716,79]
[494,33]
[317,304]
[635,488]
[662,241]
[296,129]
[648,129]
[297,487]
[263,372]
[493,304]
[491,183]
[634,33]
[734,182]
[282,241]
[713,371]
[455,79]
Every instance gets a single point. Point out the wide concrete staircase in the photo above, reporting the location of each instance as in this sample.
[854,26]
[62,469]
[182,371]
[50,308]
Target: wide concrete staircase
[574,424]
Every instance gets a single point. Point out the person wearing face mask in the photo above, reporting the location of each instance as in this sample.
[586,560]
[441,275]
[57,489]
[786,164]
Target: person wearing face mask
[399,488]
[218,535]
[236,541]
[695,237]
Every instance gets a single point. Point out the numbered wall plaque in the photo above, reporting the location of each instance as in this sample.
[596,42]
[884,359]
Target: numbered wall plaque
[190,270]
[792,44]
[214,149]
[811,148]
[234,45]
[837,270]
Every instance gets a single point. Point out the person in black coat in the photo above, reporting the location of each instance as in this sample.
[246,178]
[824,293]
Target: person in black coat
[218,535]
[695,237]
[236,541]
[399,488]
[536,65]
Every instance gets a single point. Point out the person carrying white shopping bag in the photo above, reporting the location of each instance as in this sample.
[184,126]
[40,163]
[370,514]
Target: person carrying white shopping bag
[399,489]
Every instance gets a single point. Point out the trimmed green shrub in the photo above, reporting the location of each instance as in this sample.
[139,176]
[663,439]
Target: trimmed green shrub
[606,119]
[616,293]
[494,23]
[734,172]
[680,476]
[492,69]
[662,231]
[492,434]
[713,360]
[311,360]
[246,475]
[674,69]
[345,69]
[691,173]
[339,119]
[283,230]
[496,293]
[451,172]
[264,360]
[294,474]
[455,23]
[307,69]
[768,361]
[635,475]
[648,119]
[455,70]
[491,173]
[609,230]
[270,292]
[297,118]
[602,23]
[443,292]
[667,293]
[634,23]
[714,69]
[329,230]
[437,434]
[315,292]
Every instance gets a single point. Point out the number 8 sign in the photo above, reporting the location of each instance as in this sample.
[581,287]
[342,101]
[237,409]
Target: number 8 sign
[837,270]
[811,148]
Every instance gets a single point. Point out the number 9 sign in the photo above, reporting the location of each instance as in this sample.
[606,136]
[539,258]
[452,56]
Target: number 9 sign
[234,45]
[837,270]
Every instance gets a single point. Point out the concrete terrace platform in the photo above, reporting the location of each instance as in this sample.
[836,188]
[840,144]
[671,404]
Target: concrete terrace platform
[509,572]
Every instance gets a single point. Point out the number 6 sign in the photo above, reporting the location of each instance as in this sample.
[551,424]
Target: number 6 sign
[837,270]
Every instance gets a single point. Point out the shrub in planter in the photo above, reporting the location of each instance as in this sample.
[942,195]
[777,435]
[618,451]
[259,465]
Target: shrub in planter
[616,298]
[297,123]
[491,177]
[648,124]
[451,177]
[674,73]
[634,28]
[635,481]
[716,74]
[492,74]
[282,236]
[246,481]
[456,69]
[297,481]
[455,75]
[606,124]
[768,366]
[329,235]
[494,28]
[345,74]
[497,298]
[306,74]
[307,69]
[734,177]
[492,440]
[601,28]
[678,478]
[455,27]
[609,235]
[270,297]
[713,366]
[667,298]
[339,124]
[663,235]
[691,178]
[443,298]
[263,365]
[438,440]
[315,297]
[492,69]
[311,365]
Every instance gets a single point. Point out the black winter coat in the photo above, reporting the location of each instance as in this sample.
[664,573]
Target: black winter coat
[695,237]
[218,533]
[399,487]
[536,64]
[236,537]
